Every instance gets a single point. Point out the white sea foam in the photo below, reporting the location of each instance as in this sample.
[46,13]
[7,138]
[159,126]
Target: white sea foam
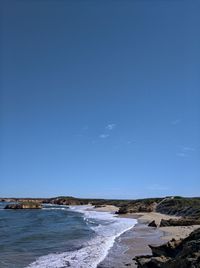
[48,208]
[96,249]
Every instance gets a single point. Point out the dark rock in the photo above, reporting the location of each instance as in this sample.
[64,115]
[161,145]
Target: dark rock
[167,250]
[24,205]
[179,222]
[152,224]
[139,206]
[186,207]
[69,201]
[174,254]
[122,210]
[143,261]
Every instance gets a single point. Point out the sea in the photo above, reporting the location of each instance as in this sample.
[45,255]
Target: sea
[58,236]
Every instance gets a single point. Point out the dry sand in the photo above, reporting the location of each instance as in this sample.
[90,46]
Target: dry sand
[107,208]
[176,232]
[137,239]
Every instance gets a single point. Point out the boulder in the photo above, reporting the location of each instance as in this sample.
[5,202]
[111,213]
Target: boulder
[136,207]
[152,224]
[122,210]
[167,250]
[24,205]
[155,262]
[174,254]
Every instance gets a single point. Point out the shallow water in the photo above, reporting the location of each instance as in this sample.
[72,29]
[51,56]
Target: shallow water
[28,234]
[57,236]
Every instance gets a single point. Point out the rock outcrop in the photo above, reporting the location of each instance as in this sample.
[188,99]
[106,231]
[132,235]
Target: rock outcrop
[122,210]
[179,222]
[24,205]
[139,206]
[174,254]
[152,224]
[179,206]
[66,201]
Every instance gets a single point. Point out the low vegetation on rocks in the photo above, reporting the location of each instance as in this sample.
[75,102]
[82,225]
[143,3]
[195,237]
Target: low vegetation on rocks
[24,205]
[179,222]
[139,205]
[179,206]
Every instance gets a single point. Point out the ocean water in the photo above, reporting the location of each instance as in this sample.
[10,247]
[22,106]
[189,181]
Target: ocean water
[58,236]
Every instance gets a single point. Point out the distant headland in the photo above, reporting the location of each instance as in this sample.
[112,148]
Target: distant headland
[171,205]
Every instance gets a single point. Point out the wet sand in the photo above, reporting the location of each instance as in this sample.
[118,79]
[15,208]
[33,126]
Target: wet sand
[130,244]
[135,241]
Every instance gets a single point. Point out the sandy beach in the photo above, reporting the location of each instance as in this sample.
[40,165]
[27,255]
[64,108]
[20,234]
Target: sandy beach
[106,208]
[135,241]
[168,233]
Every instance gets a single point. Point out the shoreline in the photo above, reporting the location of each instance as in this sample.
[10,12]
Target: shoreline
[106,235]
[130,243]
[135,241]
[169,232]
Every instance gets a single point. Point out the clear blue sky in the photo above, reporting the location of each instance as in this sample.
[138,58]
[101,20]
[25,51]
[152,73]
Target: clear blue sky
[100,98]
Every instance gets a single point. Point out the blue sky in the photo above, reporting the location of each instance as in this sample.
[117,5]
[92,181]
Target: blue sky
[100,98]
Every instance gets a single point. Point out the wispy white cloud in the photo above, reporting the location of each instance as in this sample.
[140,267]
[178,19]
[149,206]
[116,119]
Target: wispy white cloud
[185,151]
[103,136]
[110,126]
[181,154]
[175,122]
[130,142]
[107,130]
[188,149]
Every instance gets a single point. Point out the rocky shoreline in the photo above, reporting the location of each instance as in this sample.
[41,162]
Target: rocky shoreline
[184,253]
[178,228]
[152,230]
[131,244]
[143,251]
[179,206]
[24,205]
[171,219]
